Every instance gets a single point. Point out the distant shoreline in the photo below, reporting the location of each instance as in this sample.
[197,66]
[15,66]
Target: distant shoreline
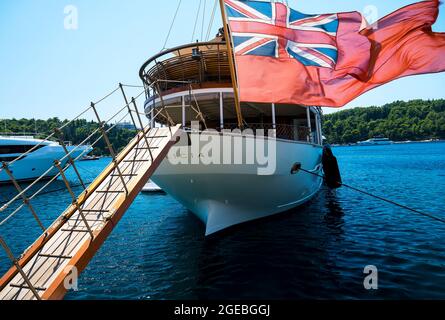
[394,143]
[415,120]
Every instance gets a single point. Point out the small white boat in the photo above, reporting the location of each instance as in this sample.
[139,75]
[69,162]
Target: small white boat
[152,187]
[35,163]
[376,141]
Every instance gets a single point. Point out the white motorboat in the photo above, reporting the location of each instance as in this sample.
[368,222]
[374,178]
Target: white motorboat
[35,157]
[376,141]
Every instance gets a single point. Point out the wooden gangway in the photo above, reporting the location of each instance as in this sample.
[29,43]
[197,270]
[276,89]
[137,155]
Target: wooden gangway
[73,239]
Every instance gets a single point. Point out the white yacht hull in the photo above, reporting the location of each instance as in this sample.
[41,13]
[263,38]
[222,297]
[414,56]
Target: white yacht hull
[224,195]
[35,164]
[375,143]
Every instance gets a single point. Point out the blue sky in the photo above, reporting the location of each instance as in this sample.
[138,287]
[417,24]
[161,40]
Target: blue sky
[48,71]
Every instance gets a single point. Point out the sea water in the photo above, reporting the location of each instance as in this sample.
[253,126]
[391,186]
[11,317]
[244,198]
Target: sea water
[317,251]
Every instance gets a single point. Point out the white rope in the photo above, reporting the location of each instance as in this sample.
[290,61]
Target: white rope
[212,20]
[196,21]
[171,25]
[203,21]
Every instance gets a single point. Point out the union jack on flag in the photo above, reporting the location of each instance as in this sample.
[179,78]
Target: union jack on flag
[275,30]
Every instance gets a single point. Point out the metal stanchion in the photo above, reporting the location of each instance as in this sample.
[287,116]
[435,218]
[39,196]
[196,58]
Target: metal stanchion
[70,159]
[19,269]
[169,120]
[110,147]
[128,105]
[142,128]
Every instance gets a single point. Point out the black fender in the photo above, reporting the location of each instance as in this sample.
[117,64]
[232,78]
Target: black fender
[331,169]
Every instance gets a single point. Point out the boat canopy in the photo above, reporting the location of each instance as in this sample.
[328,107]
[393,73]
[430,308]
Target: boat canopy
[193,83]
[199,65]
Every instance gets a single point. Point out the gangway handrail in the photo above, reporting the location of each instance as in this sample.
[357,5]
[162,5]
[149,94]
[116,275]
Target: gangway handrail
[20,194]
[7,204]
[52,290]
[80,200]
[60,128]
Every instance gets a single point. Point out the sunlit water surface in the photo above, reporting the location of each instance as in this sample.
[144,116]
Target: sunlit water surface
[318,251]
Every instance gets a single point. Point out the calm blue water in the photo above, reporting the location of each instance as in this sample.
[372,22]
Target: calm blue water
[158,251]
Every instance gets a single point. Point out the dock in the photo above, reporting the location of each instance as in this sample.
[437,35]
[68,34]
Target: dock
[73,239]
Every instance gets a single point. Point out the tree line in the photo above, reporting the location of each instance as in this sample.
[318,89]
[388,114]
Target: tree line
[75,132]
[399,121]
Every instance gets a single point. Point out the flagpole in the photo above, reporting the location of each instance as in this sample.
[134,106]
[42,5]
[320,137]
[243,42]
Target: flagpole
[231,65]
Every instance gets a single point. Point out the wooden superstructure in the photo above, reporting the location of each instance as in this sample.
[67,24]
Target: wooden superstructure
[193,82]
[201,64]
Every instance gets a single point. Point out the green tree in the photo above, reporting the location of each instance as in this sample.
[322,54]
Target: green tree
[399,120]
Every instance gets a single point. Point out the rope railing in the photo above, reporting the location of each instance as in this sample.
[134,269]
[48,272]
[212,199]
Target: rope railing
[107,96]
[126,106]
[60,166]
[76,147]
[49,182]
[16,210]
[72,150]
[47,139]
[132,86]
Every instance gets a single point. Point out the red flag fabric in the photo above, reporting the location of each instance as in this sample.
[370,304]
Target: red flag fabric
[285,56]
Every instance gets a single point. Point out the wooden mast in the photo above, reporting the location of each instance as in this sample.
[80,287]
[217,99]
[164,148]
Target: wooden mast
[231,65]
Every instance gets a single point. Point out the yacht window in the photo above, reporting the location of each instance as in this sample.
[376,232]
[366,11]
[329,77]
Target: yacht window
[7,159]
[14,149]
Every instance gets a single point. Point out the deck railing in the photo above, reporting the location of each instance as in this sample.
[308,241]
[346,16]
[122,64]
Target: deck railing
[193,63]
[283,131]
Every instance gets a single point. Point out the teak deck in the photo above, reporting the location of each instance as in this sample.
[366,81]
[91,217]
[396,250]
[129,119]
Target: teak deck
[68,243]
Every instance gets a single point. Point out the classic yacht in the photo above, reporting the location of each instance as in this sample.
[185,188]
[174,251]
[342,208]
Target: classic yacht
[40,158]
[194,88]
[376,141]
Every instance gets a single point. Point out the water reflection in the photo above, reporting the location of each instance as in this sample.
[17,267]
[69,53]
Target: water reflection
[285,256]
[334,217]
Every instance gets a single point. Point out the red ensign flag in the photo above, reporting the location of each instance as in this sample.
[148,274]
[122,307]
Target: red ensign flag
[285,56]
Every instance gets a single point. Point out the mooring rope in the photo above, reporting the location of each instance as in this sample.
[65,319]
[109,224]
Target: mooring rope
[307,171]
[379,197]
